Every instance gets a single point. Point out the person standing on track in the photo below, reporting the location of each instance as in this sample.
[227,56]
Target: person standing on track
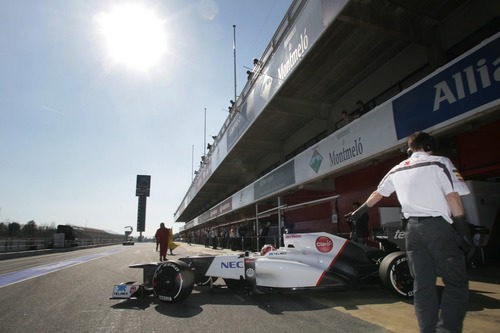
[162,237]
[428,189]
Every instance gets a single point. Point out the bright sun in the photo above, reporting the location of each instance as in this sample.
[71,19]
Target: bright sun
[134,36]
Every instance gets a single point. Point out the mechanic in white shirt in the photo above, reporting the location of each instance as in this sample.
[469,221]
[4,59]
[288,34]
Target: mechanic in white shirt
[428,189]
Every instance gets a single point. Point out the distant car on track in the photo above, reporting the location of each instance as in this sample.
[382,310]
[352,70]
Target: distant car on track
[128,239]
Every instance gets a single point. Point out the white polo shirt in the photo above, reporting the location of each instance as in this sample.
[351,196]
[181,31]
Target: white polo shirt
[421,183]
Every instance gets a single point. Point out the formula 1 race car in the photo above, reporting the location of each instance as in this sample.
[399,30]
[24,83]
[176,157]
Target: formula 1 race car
[307,261]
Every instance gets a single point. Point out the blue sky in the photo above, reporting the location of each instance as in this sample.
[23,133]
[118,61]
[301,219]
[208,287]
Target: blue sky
[77,124]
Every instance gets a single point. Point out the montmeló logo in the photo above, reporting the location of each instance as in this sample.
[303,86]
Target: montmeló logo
[315,161]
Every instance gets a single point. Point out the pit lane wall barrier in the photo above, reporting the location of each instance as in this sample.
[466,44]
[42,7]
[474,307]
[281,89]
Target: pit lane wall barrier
[463,89]
[12,245]
[15,248]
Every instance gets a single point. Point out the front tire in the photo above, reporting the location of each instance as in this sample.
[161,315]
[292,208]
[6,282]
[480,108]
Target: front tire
[395,274]
[173,281]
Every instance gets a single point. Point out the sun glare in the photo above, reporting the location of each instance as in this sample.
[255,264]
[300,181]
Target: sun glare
[134,36]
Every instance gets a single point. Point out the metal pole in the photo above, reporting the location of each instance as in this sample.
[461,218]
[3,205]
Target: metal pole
[205,135]
[234,51]
[257,224]
[280,222]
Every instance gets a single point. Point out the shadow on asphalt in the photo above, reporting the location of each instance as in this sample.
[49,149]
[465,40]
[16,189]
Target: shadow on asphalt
[366,295]
[478,301]
[351,299]
[273,303]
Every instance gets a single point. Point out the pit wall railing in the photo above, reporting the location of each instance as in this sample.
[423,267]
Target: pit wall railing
[17,245]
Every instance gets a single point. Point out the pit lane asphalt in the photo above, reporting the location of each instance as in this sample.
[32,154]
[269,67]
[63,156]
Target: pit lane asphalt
[76,299]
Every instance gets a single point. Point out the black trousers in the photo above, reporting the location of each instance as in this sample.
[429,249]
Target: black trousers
[432,251]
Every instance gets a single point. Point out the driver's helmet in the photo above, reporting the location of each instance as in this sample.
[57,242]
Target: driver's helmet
[266,248]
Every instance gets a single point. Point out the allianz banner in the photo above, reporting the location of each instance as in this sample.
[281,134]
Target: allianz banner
[471,82]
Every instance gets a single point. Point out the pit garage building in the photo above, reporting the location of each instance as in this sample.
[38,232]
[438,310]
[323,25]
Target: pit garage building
[284,160]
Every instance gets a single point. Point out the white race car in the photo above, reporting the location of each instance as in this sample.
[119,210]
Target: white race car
[310,260]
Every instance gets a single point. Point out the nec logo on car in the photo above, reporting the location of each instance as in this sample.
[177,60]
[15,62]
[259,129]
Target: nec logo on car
[232,264]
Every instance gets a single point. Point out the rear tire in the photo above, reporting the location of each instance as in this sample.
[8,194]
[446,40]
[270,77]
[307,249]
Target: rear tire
[395,274]
[173,281]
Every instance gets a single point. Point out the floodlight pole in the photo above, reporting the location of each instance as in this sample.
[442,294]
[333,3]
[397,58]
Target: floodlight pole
[205,134]
[234,51]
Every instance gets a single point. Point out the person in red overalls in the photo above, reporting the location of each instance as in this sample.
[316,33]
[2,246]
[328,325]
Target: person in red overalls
[162,239]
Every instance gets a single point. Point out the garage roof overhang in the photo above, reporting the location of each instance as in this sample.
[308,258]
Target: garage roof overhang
[364,36]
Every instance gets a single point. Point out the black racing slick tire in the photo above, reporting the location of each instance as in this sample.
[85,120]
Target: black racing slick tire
[395,274]
[173,281]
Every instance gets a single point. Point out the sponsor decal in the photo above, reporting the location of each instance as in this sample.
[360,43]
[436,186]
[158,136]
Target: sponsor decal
[277,179]
[324,244]
[316,160]
[164,298]
[292,236]
[221,208]
[277,253]
[469,83]
[295,53]
[458,175]
[232,264]
[399,234]
[466,82]
[177,269]
[347,153]
[250,272]
[124,290]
